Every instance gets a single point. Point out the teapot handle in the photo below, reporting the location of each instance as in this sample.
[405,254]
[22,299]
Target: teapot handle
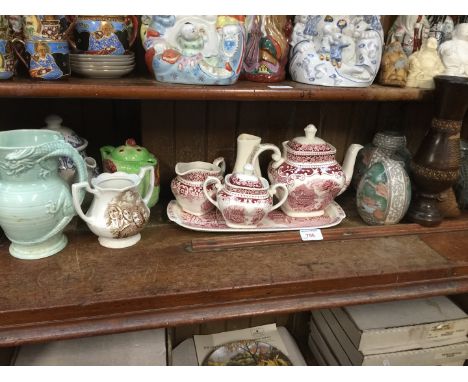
[17,52]
[273,191]
[276,156]
[211,179]
[76,192]
[150,189]
[221,163]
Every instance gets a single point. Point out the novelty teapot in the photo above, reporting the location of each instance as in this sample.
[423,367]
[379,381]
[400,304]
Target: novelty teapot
[310,172]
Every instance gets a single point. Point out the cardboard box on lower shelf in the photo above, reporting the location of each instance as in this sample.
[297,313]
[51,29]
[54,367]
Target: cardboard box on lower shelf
[140,348]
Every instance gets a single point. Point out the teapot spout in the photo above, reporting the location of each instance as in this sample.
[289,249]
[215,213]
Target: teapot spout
[348,164]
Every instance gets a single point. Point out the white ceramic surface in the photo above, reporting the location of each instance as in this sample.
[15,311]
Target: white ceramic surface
[102,67]
[275,221]
[95,57]
[104,73]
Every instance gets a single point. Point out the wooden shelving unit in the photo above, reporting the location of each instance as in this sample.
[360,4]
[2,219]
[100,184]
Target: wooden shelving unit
[143,87]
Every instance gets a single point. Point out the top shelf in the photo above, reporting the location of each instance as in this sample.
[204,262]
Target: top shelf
[138,87]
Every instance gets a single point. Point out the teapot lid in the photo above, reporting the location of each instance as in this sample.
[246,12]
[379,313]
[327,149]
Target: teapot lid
[131,152]
[54,122]
[246,178]
[310,143]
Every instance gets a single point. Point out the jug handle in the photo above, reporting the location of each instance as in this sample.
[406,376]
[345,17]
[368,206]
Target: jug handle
[18,54]
[142,174]
[134,21]
[76,192]
[221,163]
[276,156]
[273,190]
[211,179]
[64,149]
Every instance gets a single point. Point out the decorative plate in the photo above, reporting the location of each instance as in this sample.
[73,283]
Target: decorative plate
[246,353]
[276,220]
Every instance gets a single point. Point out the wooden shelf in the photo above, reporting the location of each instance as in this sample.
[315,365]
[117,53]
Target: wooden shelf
[166,280]
[147,88]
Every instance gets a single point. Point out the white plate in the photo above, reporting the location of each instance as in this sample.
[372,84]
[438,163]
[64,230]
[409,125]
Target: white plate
[276,220]
[101,67]
[102,63]
[108,57]
[101,73]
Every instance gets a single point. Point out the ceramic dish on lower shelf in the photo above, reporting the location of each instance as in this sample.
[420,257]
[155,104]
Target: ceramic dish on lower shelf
[275,221]
[102,73]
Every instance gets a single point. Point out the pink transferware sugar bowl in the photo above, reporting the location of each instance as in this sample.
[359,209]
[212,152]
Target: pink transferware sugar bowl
[244,199]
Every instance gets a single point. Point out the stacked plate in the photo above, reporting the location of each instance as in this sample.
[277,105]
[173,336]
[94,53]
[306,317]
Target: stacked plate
[102,66]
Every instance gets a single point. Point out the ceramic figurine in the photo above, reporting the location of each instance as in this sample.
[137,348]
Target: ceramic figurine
[394,69]
[385,144]
[187,187]
[7,59]
[35,203]
[410,31]
[45,59]
[267,48]
[46,27]
[130,158]
[441,28]
[336,50]
[205,50]
[424,65]
[104,35]
[454,53]
[244,199]
[461,188]
[118,212]
[384,192]
[67,168]
[310,172]
[436,165]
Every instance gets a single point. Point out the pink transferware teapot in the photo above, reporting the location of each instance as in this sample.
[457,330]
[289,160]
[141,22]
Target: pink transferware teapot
[310,172]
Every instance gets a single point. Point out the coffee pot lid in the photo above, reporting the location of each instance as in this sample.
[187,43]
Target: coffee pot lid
[131,152]
[54,122]
[246,178]
[310,143]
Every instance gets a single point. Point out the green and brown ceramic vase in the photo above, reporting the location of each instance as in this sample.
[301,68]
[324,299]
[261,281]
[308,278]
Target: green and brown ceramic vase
[384,192]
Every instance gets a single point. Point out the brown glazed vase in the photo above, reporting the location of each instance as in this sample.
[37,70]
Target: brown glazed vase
[436,165]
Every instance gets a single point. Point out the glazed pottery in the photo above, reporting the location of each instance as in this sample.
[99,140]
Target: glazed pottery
[436,165]
[205,50]
[311,173]
[248,146]
[45,27]
[187,186]
[102,72]
[424,65]
[104,35]
[46,59]
[336,50]
[267,48]
[275,221]
[35,202]
[441,28]
[395,66]
[244,199]
[7,60]
[461,187]
[67,168]
[384,192]
[454,53]
[118,212]
[385,144]
[131,158]
[410,31]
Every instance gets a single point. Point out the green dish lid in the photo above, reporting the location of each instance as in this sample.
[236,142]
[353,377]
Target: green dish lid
[131,152]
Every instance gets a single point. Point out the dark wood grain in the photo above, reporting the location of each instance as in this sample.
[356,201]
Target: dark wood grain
[89,290]
[137,87]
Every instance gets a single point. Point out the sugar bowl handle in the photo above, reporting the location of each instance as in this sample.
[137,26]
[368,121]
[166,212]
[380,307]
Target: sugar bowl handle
[273,190]
[218,185]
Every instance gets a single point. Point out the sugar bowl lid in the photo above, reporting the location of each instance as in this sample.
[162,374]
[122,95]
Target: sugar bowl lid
[54,122]
[309,143]
[247,178]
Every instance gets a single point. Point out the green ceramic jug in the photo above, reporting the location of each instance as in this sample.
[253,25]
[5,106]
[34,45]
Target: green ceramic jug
[130,158]
[35,202]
